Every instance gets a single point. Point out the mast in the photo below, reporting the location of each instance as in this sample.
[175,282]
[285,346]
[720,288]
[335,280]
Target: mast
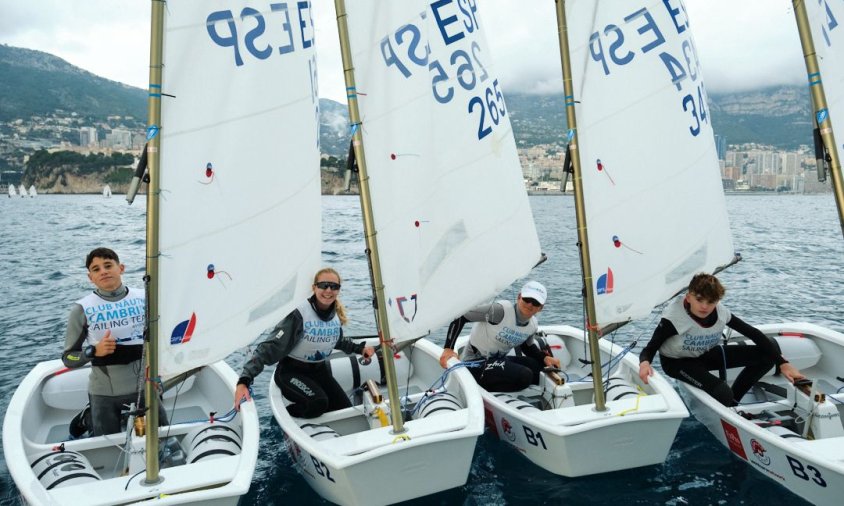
[153,152]
[580,209]
[820,105]
[368,220]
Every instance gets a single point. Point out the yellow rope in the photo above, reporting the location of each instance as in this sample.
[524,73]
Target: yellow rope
[382,417]
[401,437]
[642,393]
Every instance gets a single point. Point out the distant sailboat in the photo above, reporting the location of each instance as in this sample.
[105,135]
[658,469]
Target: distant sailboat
[24,194]
[12,192]
[106,191]
[32,191]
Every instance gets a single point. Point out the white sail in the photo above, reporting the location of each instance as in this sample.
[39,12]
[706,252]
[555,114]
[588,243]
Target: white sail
[106,191]
[243,120]
[12,192]
[655,207]
[23,191]
[454,226]
[825,19]
[32,191]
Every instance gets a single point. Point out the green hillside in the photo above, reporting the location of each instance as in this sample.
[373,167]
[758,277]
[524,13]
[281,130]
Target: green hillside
[34,83]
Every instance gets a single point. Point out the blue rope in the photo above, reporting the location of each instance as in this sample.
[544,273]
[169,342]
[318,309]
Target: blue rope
[612,362]
[228,417]
[440,383]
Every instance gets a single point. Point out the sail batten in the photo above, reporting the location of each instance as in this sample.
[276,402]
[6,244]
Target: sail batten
[654,204]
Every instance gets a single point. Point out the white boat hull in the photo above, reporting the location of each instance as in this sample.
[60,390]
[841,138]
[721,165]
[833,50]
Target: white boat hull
[810,468]
[366,466]
[36,423]
[575,440]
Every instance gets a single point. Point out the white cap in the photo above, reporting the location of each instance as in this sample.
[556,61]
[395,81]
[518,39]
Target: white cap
[534,290]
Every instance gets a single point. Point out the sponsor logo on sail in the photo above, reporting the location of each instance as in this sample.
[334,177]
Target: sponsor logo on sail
[405,305]
[183,331]
[605,283]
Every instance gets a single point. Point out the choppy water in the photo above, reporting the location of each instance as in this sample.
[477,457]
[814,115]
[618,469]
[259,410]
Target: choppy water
[793,269]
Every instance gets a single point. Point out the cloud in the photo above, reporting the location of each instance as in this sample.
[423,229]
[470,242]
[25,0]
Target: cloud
[742,44]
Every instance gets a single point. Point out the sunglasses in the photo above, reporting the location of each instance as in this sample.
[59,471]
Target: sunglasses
[532,302]
[325,285]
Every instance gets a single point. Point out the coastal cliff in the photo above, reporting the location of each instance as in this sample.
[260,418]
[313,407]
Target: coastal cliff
[70,183]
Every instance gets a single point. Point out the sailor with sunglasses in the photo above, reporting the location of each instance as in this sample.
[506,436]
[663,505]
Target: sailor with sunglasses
[502,326]
[301,344]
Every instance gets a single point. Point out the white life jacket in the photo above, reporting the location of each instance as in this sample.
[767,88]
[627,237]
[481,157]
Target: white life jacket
[692,340]
[124,318]
[495,340]
[319,336]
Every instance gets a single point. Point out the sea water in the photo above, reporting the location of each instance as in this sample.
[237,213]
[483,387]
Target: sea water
[793,269]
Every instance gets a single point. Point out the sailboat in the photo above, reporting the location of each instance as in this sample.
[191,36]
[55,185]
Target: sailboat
[12,192]
[440,187]
[23,194]
[218,272]
[32,191]
[793,434]
[106,191]
[596,415]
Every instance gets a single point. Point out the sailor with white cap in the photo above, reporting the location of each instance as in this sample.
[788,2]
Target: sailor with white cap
[502,326]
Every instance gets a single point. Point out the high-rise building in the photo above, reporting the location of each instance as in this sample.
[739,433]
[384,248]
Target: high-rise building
[721,146]
[88,136]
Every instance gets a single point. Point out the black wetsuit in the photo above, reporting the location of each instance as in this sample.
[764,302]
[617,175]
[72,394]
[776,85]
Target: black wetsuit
[309,385]
[756,360]
[499,373]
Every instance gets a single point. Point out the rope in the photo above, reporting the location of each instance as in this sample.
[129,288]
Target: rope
[641,394]
[438,386]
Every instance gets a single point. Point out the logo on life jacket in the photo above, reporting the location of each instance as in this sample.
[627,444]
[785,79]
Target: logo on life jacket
[183,331]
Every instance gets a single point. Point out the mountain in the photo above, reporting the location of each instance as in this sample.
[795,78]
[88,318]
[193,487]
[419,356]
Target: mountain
[780,116]
[34,83]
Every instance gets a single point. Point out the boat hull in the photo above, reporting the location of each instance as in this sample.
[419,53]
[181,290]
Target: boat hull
[36,424]
[574,439]
[812,469]
[366,466]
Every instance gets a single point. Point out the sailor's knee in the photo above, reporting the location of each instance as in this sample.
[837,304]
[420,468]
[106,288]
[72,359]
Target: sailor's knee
[723,394]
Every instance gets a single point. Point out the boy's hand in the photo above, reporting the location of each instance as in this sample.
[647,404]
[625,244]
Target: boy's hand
[241,394]
[106,346]
[645,371]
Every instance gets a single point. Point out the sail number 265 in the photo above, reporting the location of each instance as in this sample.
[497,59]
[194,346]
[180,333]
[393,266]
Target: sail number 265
[493,104]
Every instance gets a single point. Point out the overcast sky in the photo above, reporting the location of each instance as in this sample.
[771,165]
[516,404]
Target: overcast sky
[742,43]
